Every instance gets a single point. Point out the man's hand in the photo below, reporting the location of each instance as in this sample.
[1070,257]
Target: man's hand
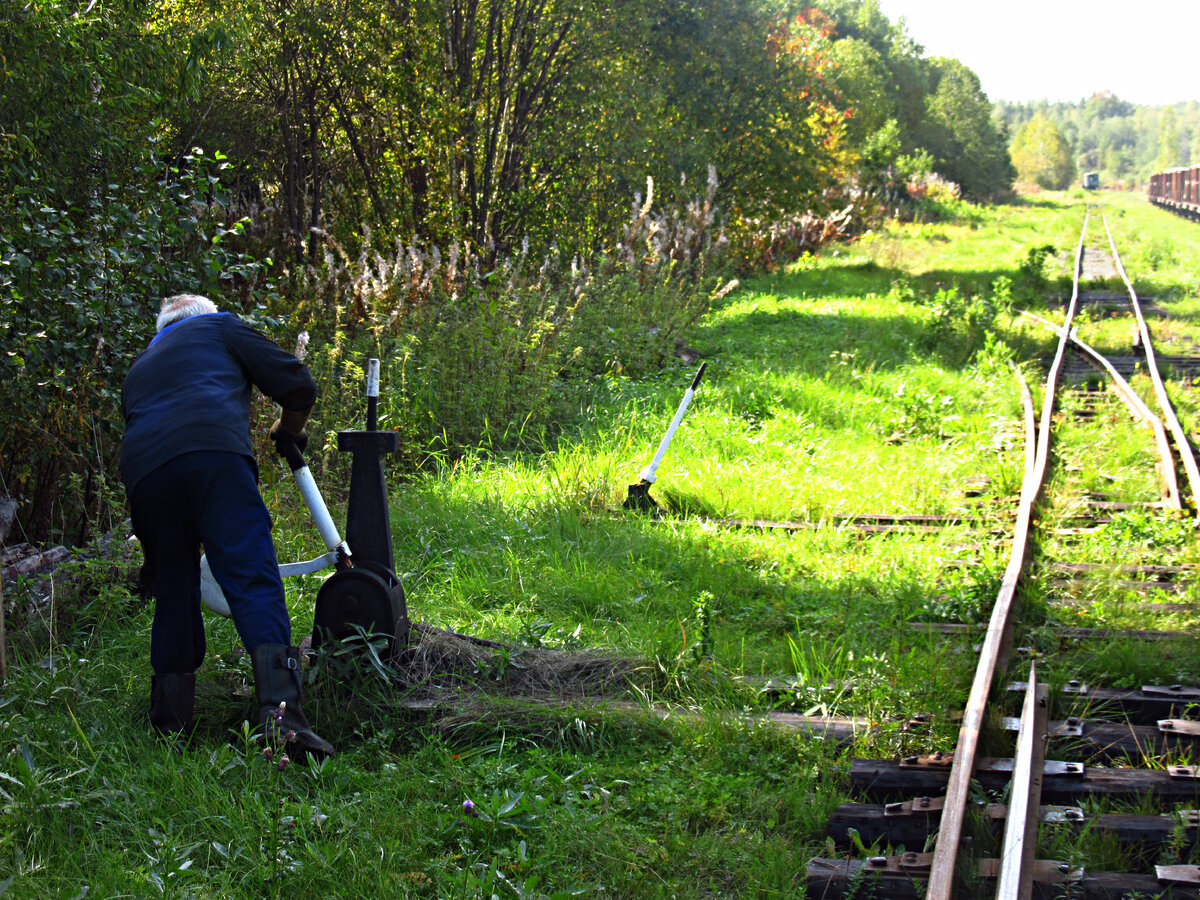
[289,429]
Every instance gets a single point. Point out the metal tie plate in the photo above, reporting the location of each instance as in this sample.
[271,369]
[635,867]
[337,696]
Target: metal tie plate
[937,760]
[1177,691]
[1069,727]
[1050,767]
[1072,726]
[1045,871]
[1178,874]
[1185,727]
[918,806]
[1063,814]
[904,864]
[1074,686]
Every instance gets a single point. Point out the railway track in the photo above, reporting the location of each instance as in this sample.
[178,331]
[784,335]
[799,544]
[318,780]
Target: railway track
[1042,763]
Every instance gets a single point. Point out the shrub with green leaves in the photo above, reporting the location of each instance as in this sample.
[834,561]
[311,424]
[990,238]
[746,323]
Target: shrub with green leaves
[80,284]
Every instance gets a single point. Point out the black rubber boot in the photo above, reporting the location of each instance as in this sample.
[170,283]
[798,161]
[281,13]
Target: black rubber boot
[172,699]
[277,681]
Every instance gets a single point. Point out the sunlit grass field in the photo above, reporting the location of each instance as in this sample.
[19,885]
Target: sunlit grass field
[875,378]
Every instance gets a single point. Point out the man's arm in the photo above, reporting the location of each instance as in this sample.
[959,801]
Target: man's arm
[274,371]
[279,375]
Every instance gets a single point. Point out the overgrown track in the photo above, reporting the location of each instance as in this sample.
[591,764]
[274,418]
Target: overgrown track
[1104,743]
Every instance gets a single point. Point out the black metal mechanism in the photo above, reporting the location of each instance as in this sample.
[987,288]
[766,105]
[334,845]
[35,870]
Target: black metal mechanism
[367,593]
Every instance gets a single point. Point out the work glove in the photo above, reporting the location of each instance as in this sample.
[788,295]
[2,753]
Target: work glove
[288,431]
[283,438]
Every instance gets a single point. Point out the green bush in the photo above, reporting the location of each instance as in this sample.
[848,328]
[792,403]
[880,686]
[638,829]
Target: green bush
[80,286]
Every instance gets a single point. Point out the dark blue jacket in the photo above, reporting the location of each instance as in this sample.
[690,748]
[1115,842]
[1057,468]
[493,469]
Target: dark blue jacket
[190,390]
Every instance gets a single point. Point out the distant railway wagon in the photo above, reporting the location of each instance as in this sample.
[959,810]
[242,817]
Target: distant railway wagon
[1091,180]
[1177,189]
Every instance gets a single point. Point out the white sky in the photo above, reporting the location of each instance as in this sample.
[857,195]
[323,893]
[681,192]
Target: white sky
[1065,49]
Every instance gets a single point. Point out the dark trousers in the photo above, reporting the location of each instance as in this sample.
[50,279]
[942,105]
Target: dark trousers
[209,498]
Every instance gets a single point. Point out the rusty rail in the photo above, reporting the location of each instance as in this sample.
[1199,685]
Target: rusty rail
[1166,467]
[1021,821]
[995,645]
[1182,446]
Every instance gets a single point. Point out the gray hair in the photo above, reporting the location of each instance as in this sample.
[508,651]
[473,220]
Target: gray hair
[182,306]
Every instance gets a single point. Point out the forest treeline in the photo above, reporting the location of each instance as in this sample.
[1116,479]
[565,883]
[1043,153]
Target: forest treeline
[1124,142]
[500,200]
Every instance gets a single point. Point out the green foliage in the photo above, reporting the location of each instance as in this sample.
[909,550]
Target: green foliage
[1143,529]
[959,324]
[920,413]
[1125,143]
[968,147]
[1033,278]
[1170,148]
[610,802]
[80,288]
[1042,155]
[361,136]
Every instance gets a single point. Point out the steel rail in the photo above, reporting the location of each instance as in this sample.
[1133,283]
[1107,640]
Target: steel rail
[1024,797]
[945,855]
[1184,448]
[1170,482]
[1015,880]
[1030,425]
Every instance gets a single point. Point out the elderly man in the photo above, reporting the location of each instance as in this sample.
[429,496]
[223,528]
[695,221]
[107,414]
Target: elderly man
[191,479]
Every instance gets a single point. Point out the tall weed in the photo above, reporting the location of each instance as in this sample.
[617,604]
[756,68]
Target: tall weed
[477,355]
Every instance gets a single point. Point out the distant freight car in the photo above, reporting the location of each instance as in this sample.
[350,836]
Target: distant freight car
[1177,189]
[1091,180]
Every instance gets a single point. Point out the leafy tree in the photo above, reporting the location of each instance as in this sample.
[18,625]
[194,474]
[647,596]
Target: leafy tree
[1105,105]
[863,84]
[909,75]
[1170,152]
[95,229]
[1126,143]
[967,146]
[1042,155]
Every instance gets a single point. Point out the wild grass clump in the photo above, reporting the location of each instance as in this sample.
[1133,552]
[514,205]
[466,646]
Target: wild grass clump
[482,349]
[438,660]
[760,246]
[937,199]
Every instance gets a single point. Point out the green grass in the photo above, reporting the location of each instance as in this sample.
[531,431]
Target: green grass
[871,379]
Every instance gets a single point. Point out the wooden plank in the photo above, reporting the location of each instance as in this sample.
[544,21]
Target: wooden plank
[1115,569]
[10,555]
[1064,633]
[831,728]
[1091,634]
[1119,741]
[31,565]
[862,527]
[1141,587]
[1161,609]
